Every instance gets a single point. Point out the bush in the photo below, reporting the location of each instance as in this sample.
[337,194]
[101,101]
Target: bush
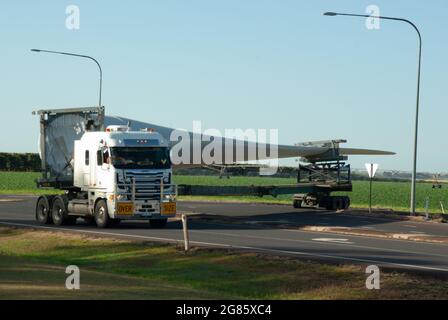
[20,162]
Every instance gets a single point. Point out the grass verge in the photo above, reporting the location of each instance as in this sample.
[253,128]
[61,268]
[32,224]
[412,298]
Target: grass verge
[32,266]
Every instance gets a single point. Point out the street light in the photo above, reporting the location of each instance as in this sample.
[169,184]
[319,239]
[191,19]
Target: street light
[80,56]
[414,166]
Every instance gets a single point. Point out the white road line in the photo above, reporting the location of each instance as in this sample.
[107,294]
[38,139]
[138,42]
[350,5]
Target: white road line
[297,253]
[334,240]
[248,226]
[313,242]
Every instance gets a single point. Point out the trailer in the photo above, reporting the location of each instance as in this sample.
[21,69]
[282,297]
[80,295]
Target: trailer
[316,181]
[106,174]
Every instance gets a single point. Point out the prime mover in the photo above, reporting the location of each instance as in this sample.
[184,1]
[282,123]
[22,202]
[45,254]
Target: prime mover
[104,174]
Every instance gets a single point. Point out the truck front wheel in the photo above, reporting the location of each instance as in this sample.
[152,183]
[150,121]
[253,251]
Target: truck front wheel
[43,210]
[101,214]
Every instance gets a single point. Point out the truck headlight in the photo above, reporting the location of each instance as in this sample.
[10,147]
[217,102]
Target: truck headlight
[170,197]
[121,197]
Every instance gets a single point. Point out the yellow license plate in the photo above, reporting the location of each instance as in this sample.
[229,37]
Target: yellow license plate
[125,208]
[168,208]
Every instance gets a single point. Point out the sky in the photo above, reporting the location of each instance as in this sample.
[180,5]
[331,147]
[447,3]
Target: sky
[235,64]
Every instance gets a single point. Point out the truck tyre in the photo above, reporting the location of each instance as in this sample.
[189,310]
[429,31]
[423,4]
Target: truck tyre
[329,203]
[336,203]
[43,210]
[102,219]
[340,203]
[297,204]
[59,212]
[158,223]
[346,203]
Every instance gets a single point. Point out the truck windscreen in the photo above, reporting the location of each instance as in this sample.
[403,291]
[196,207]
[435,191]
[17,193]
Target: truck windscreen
[140,158]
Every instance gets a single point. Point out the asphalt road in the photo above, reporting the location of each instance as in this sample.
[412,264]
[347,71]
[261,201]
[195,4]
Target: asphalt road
[19,211]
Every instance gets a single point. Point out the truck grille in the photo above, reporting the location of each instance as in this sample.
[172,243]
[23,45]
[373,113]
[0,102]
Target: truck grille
[147,185]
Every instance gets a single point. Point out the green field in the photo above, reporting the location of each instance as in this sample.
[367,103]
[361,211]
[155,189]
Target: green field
[387,195]
[32,266]
[20,183]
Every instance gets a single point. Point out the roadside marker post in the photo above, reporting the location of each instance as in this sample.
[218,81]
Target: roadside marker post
[427,209]
[186,236]
[371,170]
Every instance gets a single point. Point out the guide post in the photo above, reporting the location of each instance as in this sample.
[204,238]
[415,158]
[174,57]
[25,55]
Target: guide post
[371,170]
[185,229]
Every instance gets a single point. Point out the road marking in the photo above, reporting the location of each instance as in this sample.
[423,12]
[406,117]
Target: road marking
[409,226]
[323,234]
[330,243]
[335,240]
[221,245]
[267,221]
[370,237]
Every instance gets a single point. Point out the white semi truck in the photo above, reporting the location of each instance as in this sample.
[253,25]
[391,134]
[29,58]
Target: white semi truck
[108,174]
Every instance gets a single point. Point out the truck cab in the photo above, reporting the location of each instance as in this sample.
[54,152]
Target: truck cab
[117,174]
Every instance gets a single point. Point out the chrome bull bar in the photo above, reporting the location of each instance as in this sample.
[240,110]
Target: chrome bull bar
[136,186]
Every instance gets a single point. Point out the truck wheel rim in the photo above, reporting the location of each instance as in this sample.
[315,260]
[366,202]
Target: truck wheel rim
[58,213]
[101,213]
[42,211]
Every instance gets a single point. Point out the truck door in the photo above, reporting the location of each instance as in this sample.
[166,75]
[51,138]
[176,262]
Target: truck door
[86,171]
[99,168]
[95,167]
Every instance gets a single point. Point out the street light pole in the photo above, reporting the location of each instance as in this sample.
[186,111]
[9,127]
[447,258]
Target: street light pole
[80,56]
[414,165]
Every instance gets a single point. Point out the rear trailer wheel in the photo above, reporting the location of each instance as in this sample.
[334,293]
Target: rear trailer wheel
[328,203]
[346,202]
[158,223]
[43,210]
[339,203]
[59,212]
[297,204]
[101,214]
